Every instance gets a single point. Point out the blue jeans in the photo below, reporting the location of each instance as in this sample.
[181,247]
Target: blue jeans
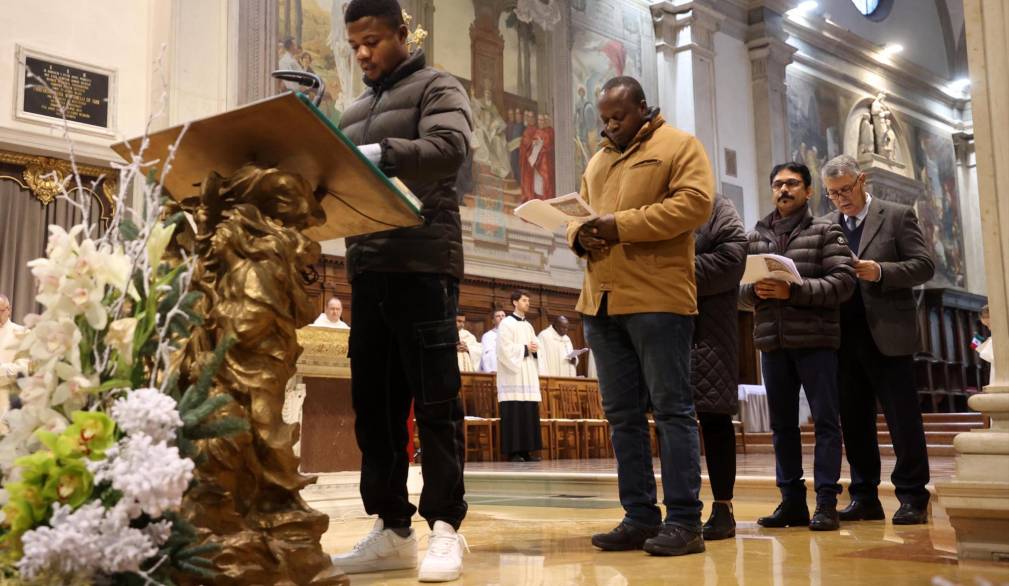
[815,370]
[643,360]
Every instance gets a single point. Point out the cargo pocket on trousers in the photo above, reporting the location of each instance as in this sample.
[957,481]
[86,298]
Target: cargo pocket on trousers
[439,367]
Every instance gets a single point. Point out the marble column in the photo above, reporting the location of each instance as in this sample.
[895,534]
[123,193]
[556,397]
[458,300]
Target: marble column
[254,34]
[685,54]
[977,498]
[769,56]
[558,42]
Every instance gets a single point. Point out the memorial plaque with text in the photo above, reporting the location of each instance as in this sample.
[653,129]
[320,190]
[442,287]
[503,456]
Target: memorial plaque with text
[85,92]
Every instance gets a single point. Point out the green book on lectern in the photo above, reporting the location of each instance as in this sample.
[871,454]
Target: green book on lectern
[288,132]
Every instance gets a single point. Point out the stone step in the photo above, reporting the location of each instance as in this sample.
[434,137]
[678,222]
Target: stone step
[940,438]
[938,428]
[884,449]
[947,417]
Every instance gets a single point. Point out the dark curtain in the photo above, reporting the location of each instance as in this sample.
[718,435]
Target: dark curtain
[24,225]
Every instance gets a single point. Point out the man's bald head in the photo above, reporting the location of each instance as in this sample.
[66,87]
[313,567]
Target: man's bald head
[561,325]
[334,309]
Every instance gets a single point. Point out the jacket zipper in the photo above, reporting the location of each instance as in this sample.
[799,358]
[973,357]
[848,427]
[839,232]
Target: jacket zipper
[371,112]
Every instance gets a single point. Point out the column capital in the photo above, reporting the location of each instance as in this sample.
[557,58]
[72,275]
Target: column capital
[769,54]
[671,19]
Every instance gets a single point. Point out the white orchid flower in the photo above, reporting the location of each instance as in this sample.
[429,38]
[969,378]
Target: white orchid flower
[120,337]
[161,235]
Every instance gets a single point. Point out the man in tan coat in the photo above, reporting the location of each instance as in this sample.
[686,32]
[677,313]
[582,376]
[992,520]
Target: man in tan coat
[652,186]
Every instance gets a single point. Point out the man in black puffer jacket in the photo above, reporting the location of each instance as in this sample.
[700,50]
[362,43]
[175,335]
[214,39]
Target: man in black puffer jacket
[719,260]
[797,329]
[414,123]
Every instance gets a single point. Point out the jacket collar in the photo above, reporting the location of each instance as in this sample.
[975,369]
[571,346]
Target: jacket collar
[764,225]
[654,122]
[414,63]
[870,226]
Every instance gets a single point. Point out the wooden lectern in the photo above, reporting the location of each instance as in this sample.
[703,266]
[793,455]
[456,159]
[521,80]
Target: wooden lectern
[263,183]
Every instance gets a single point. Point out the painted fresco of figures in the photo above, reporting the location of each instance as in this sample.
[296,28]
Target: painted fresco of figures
[529,135]
[537,157]
[490,144]
[586,127]
[514,135]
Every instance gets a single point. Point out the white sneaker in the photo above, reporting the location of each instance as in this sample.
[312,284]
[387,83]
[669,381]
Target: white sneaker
[443,562]
[381,549]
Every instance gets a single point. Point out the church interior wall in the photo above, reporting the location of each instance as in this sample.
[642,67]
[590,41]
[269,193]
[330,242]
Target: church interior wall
[734,109]
[916,25]
[79,31]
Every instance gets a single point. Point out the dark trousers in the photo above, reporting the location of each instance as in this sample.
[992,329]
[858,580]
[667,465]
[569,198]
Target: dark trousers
[719,453]
[866,375]
[402,349]
[815,370]
[642,358]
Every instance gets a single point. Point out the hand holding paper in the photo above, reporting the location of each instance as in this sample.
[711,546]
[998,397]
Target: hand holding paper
[552,214]
[761,267]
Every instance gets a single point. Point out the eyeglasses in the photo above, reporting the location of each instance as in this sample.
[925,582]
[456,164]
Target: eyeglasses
[844,191]
[789,183]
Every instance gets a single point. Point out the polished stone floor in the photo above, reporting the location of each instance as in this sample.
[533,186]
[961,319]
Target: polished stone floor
[752,464]
[513,543]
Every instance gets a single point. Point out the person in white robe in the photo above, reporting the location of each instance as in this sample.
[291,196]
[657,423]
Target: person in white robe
[468,350]
[518,383]
[557,353]
[488,362]
[331,318]
[10,368]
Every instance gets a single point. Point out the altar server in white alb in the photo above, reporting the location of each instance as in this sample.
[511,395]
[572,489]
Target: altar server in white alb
[332,316]
[468,350]
[488,362]
[518,383]
[556,355]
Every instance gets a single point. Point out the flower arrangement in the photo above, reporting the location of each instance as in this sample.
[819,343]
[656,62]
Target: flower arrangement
[98,458]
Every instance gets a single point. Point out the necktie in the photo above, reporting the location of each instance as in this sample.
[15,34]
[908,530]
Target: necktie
[852,223]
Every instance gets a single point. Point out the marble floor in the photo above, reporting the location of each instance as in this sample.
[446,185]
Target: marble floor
[753,465]
[522,541]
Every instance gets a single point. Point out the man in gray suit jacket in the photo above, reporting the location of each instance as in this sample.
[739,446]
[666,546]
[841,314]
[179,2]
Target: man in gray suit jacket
[878,339]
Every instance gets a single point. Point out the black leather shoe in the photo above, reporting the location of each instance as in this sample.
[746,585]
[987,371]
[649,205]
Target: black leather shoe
[624,538]
[721,524]
[825,519]
[516,458]
[788,514]
[862,510]
[908,514]
[675,540]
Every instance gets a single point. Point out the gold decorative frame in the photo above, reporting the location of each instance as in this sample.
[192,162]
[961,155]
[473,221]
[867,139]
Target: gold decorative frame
[43,176]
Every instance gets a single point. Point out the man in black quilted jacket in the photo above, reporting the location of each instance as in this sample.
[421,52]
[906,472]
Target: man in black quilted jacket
[414,123]
[797,329]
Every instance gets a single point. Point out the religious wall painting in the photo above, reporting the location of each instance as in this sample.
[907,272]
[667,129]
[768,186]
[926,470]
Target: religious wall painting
[594,60]
[513,144]
[826,120]
[938,211]
[311,36]
[817,113]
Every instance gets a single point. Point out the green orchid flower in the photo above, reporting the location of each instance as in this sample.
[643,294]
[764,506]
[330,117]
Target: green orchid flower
[18,516]
[29,495]
[70,484]
[89,435]
[36,467]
